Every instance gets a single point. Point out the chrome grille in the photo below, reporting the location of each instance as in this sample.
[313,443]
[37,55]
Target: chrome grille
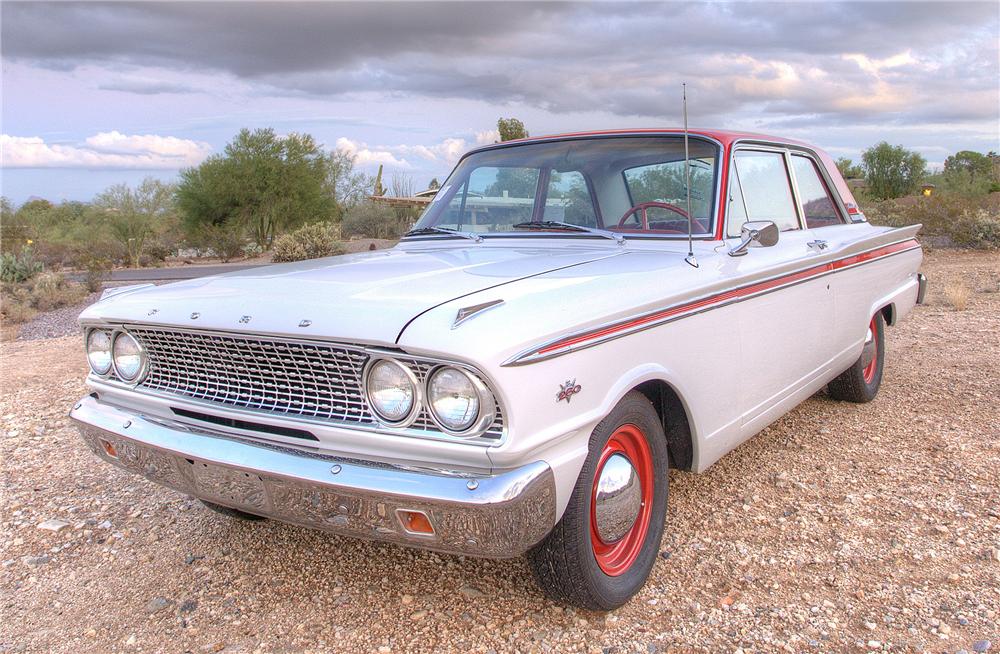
[305,379]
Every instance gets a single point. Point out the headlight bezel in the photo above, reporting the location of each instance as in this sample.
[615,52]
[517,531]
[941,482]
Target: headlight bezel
[487,403]
[418,392]
[143,359]
[109,333]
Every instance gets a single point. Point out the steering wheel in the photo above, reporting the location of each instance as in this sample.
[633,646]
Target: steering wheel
[643,206]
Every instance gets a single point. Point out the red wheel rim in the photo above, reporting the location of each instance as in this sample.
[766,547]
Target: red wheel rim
[869,372]
[615,558]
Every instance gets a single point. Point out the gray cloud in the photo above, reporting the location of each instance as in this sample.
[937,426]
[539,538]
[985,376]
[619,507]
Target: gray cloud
[789,63]
[146,86]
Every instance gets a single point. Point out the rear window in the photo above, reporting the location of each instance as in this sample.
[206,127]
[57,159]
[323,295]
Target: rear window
[817,205]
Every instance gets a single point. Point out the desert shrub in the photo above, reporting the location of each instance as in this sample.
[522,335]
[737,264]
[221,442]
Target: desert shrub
[977,229]
[16,312]
[374,221]
[97,270]
[50,291]
[308,242]
[964,220]
[226,241]
[44,292]
[19,267]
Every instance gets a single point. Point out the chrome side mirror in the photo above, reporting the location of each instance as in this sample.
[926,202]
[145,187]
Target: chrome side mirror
[758,234]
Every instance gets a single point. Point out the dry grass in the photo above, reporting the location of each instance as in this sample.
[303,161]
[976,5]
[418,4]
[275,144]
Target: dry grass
[957,295]
[44,292]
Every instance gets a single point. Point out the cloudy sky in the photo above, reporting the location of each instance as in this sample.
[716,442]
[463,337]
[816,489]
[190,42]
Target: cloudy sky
[97,93]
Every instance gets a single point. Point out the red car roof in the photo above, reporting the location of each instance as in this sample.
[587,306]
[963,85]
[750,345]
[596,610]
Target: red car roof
[723,136]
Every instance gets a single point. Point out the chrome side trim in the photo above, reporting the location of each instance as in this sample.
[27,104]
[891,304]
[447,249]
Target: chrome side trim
[701,304]
[474,512]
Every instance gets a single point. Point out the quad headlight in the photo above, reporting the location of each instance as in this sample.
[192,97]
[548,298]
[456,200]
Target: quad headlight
[128,357]
[459,402]
[99,351]
[392,391]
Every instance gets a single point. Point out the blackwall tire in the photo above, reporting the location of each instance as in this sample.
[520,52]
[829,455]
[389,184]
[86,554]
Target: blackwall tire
[860,382]
[575,564]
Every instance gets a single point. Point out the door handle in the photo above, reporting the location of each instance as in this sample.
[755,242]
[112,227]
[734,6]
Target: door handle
[818,244]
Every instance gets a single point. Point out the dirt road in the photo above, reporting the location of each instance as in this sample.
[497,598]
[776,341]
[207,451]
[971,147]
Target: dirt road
[840,528]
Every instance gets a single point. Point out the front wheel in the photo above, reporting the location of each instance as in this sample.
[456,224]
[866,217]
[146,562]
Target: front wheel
[602,550]
[860,382]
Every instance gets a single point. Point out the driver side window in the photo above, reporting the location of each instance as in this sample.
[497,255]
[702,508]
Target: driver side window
[663,183]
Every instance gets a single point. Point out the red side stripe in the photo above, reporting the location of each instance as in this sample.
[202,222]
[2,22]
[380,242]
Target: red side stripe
[733,294]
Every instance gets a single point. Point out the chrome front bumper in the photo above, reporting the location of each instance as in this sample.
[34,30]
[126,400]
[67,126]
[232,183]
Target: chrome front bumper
[496,515]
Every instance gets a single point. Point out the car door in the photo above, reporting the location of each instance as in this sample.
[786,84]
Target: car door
[784,315]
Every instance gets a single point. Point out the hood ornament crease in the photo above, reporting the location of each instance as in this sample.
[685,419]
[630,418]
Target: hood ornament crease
[465,313]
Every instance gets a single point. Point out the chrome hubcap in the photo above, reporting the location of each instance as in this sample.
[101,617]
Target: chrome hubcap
[618,499]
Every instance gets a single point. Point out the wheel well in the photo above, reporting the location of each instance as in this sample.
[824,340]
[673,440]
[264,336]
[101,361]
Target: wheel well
[675,421]
[889,314]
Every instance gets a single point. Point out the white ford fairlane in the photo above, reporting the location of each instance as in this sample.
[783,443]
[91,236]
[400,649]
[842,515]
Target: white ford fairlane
[570,317]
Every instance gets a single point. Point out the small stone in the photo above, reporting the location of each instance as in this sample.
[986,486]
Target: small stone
[870,626]
[944,629]
[38,560]
[941,529]
[874,644]
[131,641]
[406,599]
[665,554]
[953,578]
[54,525]
[981,646]
[191,558]
[187,606]
[471,592]
[384,649]
[90,633]
[417,616]
[157,604]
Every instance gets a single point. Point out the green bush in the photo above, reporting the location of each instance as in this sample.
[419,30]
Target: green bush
[308,242]
[226,240]
[19,267]
[375,221]
[97,271]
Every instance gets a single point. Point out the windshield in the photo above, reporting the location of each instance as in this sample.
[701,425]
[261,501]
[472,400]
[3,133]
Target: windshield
[629,185]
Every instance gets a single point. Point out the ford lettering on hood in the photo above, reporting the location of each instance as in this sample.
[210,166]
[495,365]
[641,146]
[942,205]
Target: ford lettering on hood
[366,298]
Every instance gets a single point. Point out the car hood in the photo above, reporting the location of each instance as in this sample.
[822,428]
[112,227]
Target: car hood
[365,298]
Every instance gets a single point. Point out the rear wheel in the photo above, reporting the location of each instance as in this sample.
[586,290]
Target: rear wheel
[601,552]
[232,513]
[860,382]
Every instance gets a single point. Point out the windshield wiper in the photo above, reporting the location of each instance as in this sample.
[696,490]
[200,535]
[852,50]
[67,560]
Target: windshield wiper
[443,230]
[555,224]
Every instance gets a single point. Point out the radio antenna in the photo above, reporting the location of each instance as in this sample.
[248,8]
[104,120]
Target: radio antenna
[687,182]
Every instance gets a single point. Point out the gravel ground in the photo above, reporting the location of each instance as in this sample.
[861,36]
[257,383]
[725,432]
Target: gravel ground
[53,324]
[840,528]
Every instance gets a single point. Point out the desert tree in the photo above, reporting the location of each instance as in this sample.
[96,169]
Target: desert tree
[892,171]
